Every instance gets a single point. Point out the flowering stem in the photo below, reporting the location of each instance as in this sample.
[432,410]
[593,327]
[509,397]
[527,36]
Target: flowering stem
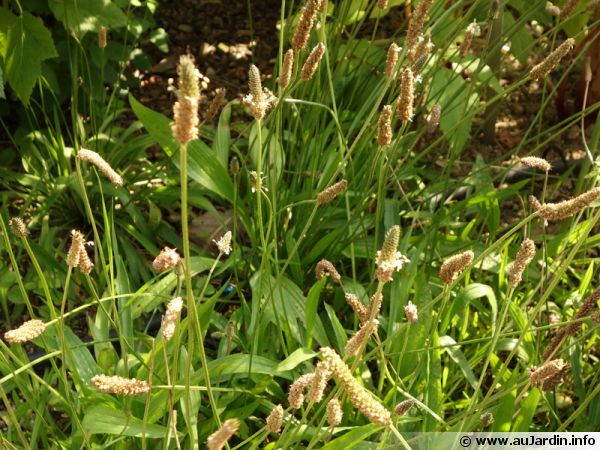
[259,184]
[191,305]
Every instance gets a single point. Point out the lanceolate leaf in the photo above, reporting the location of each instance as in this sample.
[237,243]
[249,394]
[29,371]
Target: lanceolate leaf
[24,43]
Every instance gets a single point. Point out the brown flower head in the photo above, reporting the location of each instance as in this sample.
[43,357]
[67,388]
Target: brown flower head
[275,419]
[523,258]
[455,265]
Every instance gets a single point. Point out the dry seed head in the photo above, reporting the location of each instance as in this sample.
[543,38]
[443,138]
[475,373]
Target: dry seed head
[119,385]
[419,53]
[384,127]
[224,243]
[471,31]
[312,62]
[254,180]
[411,312]
[536,163]
[586,308]
[433,120]
[102,37]
[359,309]
[186,120]
[286,69]
[553,10]
[169,321]
[568,208]
[403,407]
[417,19]
[296,392]
[18,227]
[568,8]
[360,398]
[593,4]
[27,331]
[101,164]
[549,375]
[76,249]
[455,265]
[317,386]
[215,104]
[324,266]
[331,192]
[334,412]
[523,258]
[486,419]
[358,341]
[374,305]
[406,98]
[85,263]
[534,202]
[305,24]
[392,60]
[275,419]
[541,70]
[219,438]
[167,259]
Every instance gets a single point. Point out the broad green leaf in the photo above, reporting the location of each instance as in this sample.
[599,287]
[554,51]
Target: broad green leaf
[353,438]
[223,136]
[458,357]
[238,365]
[203,165]
[528,407]
[297,357]
[101,419]
[26,42]
[83,16]
[458,106]
[312,303]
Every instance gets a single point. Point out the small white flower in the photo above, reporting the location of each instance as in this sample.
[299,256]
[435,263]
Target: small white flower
[224,243]
[254,181]
[411,312]
[394,265]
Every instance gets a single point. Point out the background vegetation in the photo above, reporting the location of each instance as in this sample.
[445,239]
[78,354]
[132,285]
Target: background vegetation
[255,319]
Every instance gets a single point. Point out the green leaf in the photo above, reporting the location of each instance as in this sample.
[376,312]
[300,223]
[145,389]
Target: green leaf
[2,94]
[458,357]
[238,365]
[203,165]
[312,303]
[296,358]
[101,419]
[459,105]
[88,15]
[528,407]
[25,44]
[223,136]
[353,438]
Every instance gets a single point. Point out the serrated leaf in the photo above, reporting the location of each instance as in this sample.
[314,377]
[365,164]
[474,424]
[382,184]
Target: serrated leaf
[24,45]
[81,17]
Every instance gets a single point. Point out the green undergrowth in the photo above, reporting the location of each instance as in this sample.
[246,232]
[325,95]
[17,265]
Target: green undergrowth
[255,319]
